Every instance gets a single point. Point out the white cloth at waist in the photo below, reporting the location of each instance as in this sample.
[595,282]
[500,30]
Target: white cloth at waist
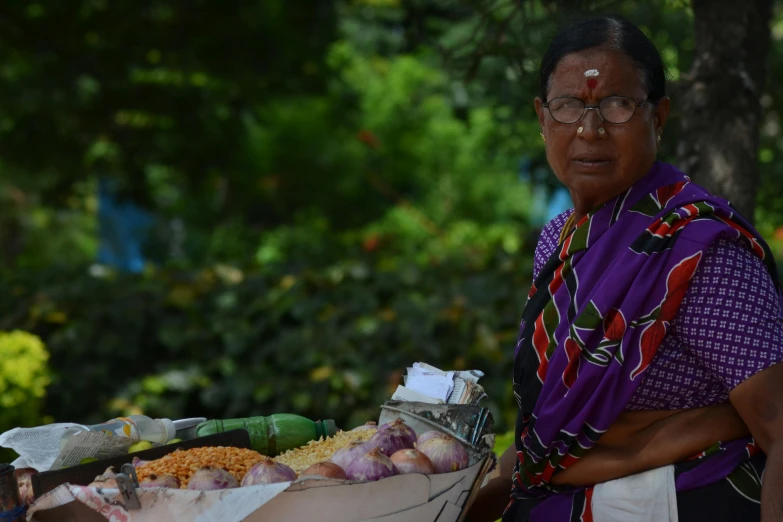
[644,497]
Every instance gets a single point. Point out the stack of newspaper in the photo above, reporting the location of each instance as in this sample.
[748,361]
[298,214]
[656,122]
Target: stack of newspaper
[425,383]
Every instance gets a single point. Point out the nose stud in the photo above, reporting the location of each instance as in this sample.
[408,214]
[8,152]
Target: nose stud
[601,131]
[580,130]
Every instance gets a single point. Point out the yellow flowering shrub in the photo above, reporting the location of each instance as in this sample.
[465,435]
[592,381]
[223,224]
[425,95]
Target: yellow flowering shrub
[24,376]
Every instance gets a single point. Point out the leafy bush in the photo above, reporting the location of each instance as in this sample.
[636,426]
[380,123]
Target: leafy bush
[24,376]
[322,342]
[409,242]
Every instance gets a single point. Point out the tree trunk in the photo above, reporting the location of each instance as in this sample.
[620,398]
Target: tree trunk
[721,109]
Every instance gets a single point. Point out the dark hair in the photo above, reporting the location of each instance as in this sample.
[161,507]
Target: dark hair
[610,32]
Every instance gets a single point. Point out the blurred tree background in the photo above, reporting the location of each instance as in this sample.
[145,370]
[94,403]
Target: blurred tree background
[242,208]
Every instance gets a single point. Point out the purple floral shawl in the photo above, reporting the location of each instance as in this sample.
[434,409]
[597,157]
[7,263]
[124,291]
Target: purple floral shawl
[595,317]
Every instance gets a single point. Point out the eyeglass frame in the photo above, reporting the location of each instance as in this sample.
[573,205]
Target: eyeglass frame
[597,108]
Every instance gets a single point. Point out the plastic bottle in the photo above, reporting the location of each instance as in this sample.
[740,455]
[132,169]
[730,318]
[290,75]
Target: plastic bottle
[275,434]
[136,427]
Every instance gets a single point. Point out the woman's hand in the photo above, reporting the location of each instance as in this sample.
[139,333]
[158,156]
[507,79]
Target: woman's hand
[759,400]
[641,441]
[493,498]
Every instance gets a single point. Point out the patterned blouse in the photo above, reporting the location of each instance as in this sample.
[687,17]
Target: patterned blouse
[729,327]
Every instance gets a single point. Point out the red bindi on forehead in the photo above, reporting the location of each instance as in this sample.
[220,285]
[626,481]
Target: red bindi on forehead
[592,83]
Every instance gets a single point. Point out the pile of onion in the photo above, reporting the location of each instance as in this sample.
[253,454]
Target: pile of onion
[393,437]
[412,461]
[325,469]
[446,453]
[371,466]
[345,455]
[268,471]
[162,481]
[212,478]
[138,462]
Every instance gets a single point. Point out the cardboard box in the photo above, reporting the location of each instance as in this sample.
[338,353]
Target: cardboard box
[402,498]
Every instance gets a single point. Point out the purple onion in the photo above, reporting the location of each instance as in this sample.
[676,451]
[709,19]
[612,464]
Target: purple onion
[268,472]
[393,437]
[412,461]
[138,462]
[345,455]
[325,469]
[446,453]
[369,425]
[160,481]
[429,435]
[212,478]
[371,466]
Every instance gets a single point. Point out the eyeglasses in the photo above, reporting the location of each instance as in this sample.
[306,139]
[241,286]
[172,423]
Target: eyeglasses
[614,109]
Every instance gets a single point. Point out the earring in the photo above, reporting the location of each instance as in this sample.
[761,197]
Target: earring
[580,130]
[659,136]
[542,136]
[601,131]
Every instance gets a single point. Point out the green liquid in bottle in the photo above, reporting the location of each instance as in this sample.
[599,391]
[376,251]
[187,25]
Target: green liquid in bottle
[274,434]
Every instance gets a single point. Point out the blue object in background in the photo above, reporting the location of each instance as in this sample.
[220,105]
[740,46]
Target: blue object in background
[550,197]
[559,202]
[122,230]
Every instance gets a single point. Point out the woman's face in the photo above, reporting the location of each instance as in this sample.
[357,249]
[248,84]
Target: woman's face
[598,166]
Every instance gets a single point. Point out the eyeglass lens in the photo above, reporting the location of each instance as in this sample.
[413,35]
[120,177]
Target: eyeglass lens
[615,109]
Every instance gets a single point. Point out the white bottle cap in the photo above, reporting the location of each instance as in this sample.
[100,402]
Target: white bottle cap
[171,430]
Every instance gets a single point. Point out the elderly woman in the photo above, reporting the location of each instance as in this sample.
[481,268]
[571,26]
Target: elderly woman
[645,370]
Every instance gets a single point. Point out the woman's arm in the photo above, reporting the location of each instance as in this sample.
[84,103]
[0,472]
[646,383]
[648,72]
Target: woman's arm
[759,400]
[493,498]
[635,443]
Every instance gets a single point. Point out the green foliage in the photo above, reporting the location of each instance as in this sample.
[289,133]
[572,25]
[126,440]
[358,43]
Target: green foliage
[24,376]
[330,342]
[769,214]
[344,179]
[371,227]
[503,441]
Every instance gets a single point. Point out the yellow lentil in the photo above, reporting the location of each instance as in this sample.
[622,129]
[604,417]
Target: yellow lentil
[184,463]
[320,450]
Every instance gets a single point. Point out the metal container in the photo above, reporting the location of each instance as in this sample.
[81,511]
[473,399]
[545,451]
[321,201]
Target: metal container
[471,425]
